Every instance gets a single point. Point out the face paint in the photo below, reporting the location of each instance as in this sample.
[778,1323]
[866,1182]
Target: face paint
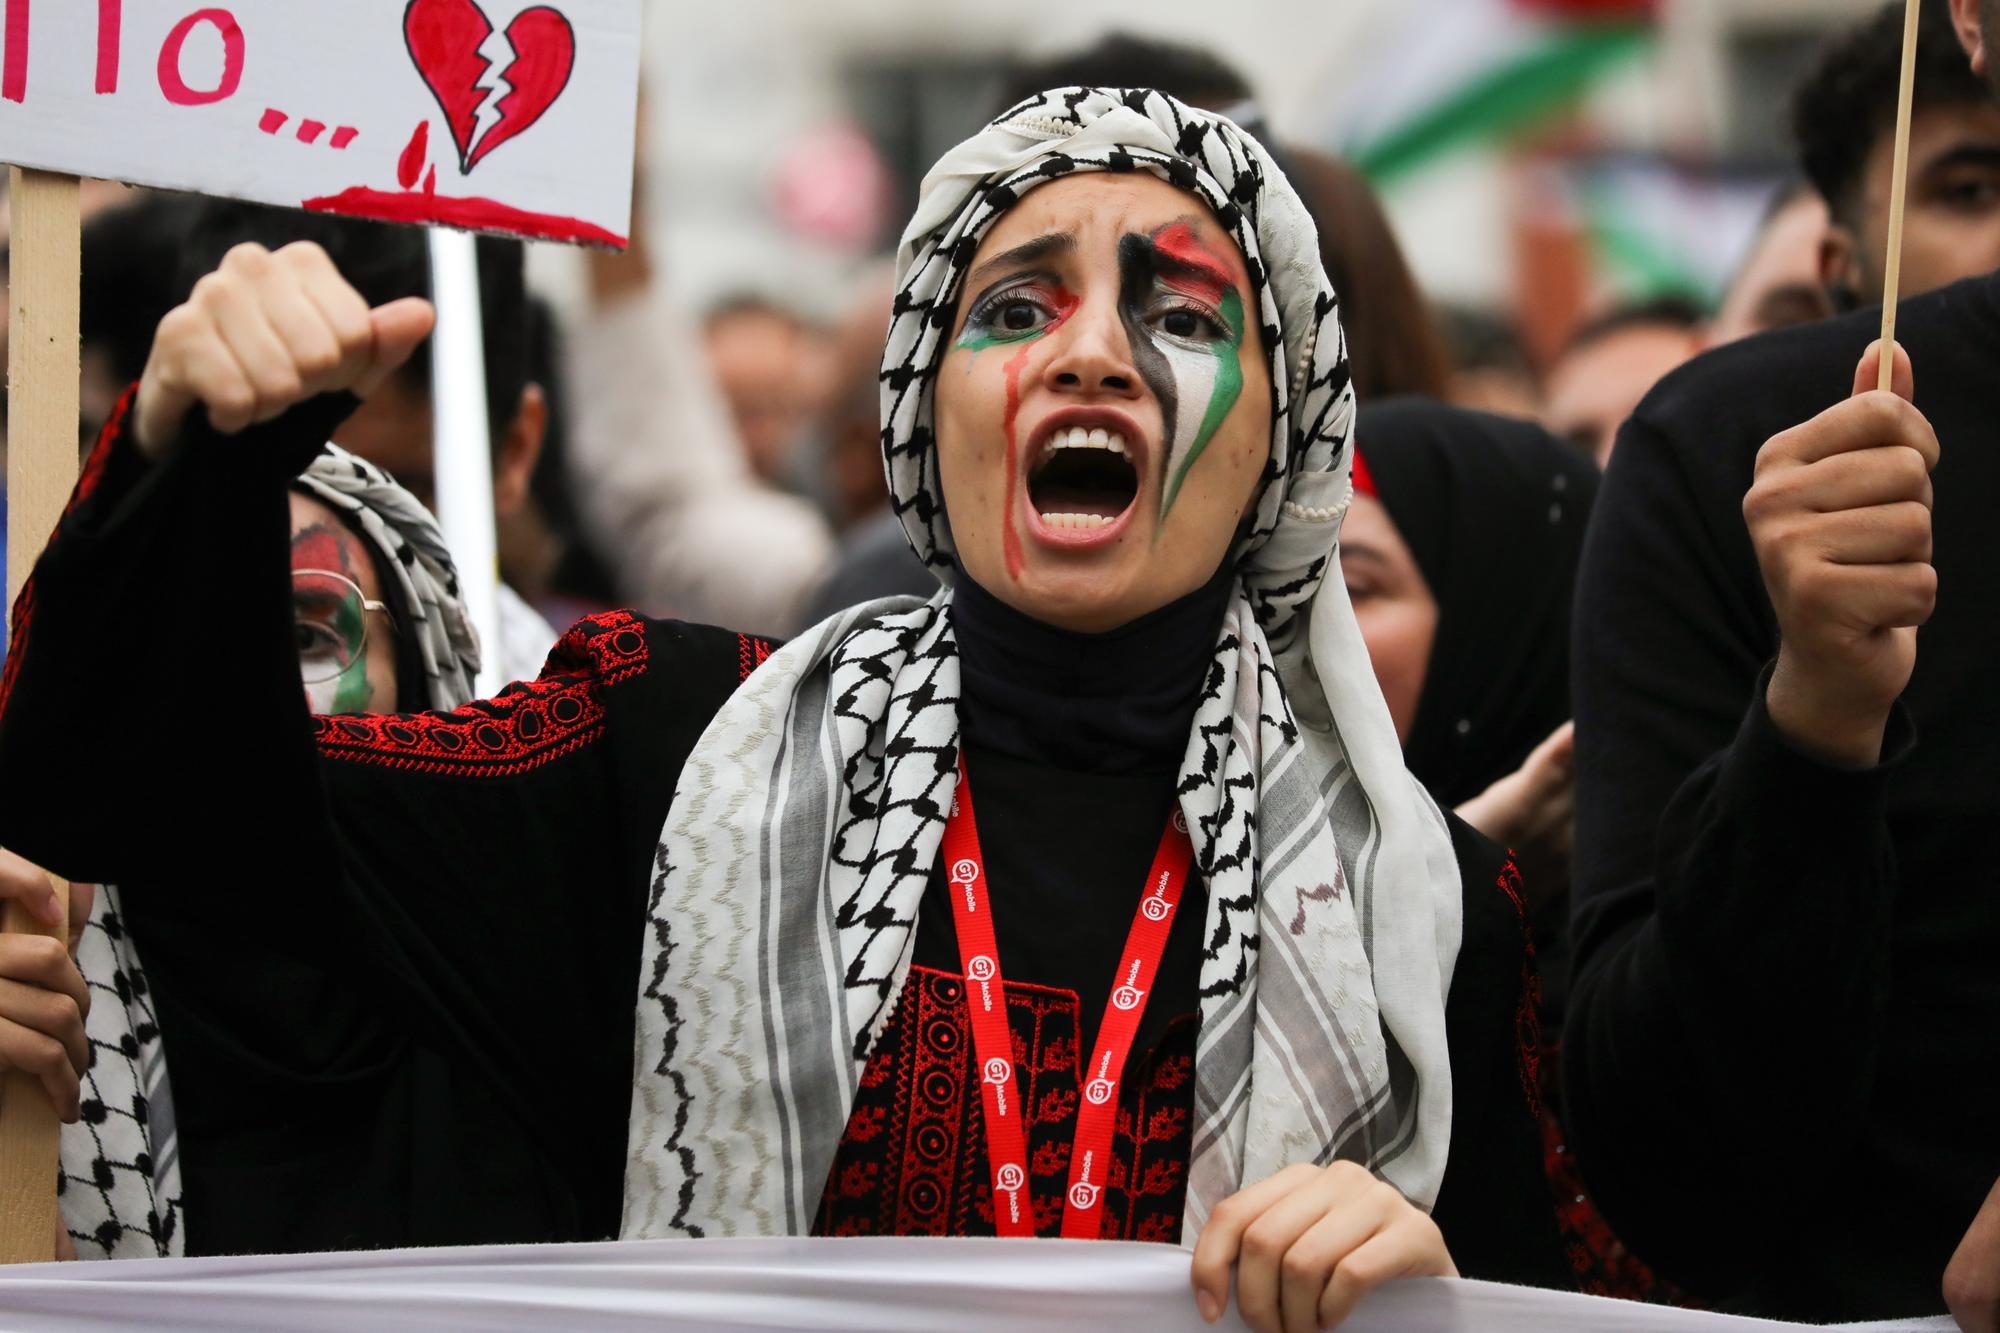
[989,325]
[1168,279]
[329,623]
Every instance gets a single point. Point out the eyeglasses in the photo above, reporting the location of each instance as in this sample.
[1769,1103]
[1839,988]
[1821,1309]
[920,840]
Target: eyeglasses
[329,623]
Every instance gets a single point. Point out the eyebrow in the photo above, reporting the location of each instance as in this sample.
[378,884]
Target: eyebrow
[1031,252]
[1195,261]
[1965,155]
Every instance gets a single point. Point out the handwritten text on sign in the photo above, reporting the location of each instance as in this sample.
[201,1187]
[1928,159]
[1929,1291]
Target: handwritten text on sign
[498,115]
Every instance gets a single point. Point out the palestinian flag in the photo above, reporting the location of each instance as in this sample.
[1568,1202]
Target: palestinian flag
[1461,72]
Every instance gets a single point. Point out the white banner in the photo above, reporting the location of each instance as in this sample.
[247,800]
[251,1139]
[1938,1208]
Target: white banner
[492,115]
[750,1286]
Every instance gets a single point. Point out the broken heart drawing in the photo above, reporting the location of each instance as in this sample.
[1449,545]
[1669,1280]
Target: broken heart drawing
[491,86]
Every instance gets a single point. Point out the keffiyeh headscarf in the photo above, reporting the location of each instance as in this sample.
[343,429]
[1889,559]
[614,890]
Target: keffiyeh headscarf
[811,812]
[119,1184]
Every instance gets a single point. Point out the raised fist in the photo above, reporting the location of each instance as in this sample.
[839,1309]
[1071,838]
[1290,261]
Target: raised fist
[264,332]
[1840,515]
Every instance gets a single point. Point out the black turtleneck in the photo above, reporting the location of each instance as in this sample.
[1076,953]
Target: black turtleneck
[1118,702]
[1072,746]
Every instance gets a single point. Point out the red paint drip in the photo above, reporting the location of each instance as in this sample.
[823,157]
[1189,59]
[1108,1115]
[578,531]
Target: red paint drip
[273,121]
[470,214]
[343,136]
[410,166]
[1201,272]
[310,130]
[1010,532]
[14,73]
[1066,303]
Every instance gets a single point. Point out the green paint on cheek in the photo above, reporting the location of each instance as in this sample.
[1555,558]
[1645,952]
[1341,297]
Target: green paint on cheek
[1222,396]
[352,691]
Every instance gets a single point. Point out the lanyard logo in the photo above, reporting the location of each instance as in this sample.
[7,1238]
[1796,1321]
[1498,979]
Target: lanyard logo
[999,1070]
[1098,1091]
[1180,820]
[1083,1194]
[1010,1178]
[1128,995]
[981,968]
[964,870]
[1155,907]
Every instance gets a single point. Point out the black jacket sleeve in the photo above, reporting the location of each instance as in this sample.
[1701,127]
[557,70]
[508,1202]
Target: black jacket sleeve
[341,904]
[1495,1209]
[1732,896]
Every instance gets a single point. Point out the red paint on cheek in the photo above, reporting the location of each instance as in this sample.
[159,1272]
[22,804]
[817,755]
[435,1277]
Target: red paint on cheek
[316,548]
[1010,533]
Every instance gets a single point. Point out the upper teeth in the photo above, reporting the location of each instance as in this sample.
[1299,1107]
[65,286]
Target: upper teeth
[1080,438]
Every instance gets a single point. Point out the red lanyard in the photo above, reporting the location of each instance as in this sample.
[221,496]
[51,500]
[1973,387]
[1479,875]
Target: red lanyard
[993,1042]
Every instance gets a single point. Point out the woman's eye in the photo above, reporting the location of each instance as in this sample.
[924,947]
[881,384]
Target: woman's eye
[1018,316]
[1181,322]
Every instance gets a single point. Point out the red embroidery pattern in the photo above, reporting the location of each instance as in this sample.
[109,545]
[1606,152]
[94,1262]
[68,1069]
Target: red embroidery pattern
[86,484]
[913,1160]
[1603,1266]
[528,725]
[750,654]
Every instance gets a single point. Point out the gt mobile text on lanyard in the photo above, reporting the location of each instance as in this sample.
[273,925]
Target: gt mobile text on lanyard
[993,1045]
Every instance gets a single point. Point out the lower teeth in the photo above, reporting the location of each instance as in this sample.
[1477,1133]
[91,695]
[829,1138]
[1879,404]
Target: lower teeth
[1082,522]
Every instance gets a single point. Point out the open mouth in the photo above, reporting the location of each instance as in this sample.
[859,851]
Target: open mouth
[1084,480]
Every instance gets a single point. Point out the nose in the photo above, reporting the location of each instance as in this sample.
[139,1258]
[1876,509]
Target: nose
[1093,354]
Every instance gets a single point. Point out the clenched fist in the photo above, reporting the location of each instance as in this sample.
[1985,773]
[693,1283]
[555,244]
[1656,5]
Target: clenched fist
[264,332]
[1840,515]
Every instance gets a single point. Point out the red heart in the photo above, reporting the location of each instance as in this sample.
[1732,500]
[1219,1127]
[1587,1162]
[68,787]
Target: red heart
[444,37]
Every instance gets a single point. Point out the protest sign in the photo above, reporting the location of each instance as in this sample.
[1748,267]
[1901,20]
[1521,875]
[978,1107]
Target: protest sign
[491,115]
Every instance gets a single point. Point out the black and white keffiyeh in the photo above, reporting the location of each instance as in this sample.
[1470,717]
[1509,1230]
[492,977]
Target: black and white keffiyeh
[119,1184]
[808,818]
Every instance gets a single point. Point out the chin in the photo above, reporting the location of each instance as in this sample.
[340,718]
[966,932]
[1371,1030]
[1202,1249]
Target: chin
[1088,596]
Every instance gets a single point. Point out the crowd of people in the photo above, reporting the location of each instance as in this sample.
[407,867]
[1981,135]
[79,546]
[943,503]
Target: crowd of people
[1438,812]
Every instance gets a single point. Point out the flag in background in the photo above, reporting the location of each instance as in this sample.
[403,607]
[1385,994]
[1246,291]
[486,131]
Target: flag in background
[1462,72]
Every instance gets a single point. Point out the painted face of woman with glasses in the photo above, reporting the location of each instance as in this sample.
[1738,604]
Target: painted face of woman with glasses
[340,622]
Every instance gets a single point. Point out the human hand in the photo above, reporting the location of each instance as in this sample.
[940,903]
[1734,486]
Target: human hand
[1972,1278]
[264,332]
[1533,811]
[1308,1244]
[1840,515]
[43,1000]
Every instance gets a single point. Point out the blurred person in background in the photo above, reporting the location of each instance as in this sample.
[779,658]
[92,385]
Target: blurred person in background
[1399,348]
[1785,928]
[773,369]
[657,471]
[1779,283]
[1844,122]
[1611,363]
[1491,369]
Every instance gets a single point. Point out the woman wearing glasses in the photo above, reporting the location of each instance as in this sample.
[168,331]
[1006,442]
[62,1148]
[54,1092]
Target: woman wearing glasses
[1204,966]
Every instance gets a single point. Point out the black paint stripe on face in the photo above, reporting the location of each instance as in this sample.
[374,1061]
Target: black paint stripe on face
[1137,276]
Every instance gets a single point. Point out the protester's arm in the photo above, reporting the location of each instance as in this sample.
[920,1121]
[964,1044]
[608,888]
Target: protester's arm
[659,472]
[1734,883]
[1972,1279]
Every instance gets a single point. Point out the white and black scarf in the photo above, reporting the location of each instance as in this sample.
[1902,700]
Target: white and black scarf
[809,816]
[119,1184]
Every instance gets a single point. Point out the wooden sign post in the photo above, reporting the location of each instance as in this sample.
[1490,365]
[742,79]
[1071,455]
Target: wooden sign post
[42,388]
[510,116]
[1899,191]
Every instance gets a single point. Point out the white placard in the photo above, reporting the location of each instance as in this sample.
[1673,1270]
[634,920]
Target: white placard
[763,1286]
[495,115]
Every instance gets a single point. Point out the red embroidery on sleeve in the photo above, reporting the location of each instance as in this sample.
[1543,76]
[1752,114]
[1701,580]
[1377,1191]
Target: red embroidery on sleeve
[528,725]
[86,483]
[750,654]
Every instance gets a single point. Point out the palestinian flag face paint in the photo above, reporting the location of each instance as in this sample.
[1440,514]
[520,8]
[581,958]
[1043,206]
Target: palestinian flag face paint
[1184,319]
[1016,314]
[329,624]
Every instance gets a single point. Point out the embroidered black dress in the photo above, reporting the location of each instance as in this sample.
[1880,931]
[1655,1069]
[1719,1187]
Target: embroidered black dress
[396,958]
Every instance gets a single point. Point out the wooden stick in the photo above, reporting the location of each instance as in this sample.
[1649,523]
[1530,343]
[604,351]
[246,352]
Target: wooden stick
[42,387]
[1899,188]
